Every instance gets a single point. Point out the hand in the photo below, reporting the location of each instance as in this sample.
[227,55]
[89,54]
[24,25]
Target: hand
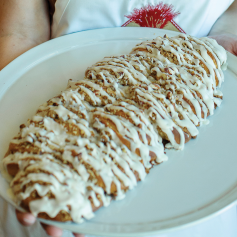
[28,219]
[228,41]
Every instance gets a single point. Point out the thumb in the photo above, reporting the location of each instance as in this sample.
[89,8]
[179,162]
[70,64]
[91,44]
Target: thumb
[25,219]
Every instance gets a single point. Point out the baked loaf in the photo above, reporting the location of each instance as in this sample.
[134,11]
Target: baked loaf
[103,134]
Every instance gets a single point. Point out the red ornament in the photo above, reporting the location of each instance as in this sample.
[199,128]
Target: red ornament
[154,16]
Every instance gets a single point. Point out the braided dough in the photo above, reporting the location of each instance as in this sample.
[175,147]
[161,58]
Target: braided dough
[103,134]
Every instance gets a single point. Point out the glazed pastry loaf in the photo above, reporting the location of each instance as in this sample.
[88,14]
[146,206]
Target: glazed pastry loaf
[103,134]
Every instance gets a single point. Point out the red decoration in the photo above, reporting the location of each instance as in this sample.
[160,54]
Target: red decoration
[154,16]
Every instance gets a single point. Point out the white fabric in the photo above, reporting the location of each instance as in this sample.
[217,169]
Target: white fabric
[195,18]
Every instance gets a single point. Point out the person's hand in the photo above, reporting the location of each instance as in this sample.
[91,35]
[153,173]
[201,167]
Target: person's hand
[228,41]
[28,219]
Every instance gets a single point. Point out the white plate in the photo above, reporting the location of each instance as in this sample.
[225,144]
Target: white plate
[193,185]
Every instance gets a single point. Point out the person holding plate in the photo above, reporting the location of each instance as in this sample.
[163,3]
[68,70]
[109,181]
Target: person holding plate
[25,24]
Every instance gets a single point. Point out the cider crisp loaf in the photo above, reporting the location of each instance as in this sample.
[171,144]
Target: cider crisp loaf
[103,134]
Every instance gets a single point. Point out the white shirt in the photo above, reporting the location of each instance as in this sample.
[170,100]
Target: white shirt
[195,17]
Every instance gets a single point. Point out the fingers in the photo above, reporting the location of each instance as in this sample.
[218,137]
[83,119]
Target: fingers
[52,231]
[78,235]
[228,41]
[56,232]
[28,219]
[25,219]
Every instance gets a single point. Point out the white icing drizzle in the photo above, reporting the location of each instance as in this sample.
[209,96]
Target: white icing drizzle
[158,115]
[67,187]
[182,50]
[125,129]
[101,135]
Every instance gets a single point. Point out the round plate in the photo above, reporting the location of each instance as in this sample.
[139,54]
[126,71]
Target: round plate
[191,186]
